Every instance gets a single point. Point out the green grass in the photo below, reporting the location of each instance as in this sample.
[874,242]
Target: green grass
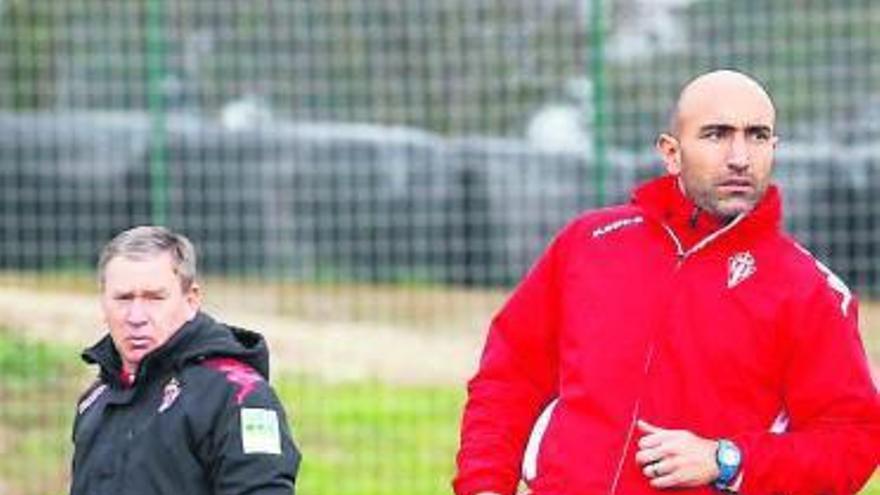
[358,438]
[372,438]
[363,438]
[37,393]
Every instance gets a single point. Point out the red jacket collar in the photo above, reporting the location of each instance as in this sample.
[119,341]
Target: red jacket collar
[663,200]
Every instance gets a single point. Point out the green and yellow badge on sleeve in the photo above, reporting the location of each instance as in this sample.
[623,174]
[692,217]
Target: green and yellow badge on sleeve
[259,431]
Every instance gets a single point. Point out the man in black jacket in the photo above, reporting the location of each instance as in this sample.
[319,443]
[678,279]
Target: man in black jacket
[182,404]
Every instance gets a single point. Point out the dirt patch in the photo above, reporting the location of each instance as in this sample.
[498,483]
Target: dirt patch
[869,320]
[333,350]
[397,335]
[7,440]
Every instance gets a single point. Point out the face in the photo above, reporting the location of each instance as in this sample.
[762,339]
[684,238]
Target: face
[144,305]
[723,149]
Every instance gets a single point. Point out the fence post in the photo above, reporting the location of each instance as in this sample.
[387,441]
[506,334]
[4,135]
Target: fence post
[597,70]
[158,129]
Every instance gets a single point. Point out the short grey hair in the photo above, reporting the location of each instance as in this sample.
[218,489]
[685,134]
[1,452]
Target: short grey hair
[151,240]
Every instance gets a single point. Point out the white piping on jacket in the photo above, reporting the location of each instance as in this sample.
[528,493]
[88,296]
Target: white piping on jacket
[649,356]
[530,458]
[532,451]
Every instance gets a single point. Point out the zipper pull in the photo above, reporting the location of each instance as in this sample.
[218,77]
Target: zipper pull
[694,216]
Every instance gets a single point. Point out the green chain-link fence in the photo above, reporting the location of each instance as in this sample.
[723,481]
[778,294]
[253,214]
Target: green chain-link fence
[365,179]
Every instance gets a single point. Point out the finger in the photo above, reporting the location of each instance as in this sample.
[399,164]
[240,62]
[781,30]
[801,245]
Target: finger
[667,476]
[653,440]
[647,456]
[666,480]
[648,427]
[659,469]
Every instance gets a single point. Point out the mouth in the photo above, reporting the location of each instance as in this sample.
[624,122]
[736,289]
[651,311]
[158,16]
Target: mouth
[138,343]
[736,186]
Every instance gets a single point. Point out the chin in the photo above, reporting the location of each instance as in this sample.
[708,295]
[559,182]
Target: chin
[136,357]
[734,208]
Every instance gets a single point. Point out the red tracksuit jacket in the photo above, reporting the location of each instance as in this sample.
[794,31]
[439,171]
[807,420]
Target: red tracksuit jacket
[653,310]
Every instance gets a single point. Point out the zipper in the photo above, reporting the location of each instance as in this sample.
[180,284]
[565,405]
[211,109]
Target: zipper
[681,255]
[679,249]
[649,358]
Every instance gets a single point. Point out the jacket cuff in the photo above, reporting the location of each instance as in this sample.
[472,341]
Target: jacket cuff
[745,442]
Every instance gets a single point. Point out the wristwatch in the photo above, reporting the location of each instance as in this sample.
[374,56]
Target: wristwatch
[729,458]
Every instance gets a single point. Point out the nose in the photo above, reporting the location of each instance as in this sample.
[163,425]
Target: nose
[137,314]
[738,153]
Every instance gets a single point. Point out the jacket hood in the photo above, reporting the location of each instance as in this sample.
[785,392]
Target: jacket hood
[199,339]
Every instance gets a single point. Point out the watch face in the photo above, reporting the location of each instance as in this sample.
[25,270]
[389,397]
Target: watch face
[729,456]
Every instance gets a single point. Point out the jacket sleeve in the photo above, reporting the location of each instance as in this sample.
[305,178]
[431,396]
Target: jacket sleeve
[517,377]
[250,448]
[832,443]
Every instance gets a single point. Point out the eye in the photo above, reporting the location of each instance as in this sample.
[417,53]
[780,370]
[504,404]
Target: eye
[713,134]
[761,135]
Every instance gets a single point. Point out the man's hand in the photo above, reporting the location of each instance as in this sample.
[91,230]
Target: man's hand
[676,458]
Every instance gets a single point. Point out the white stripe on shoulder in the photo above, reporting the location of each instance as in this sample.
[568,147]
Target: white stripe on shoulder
[834,282]
[617,225]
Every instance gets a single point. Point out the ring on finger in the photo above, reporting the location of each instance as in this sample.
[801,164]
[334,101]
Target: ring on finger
[655,470]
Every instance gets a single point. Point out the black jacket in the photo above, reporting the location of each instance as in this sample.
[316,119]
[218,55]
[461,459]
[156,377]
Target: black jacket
[199,419]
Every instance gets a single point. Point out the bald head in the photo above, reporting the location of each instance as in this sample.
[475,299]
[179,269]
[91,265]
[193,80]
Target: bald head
[720,142]
[710,90]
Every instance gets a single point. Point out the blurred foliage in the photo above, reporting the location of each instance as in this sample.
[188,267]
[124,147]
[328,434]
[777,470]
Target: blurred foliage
[26,363]
[37,393]
[812,55]
[454,67]
[27,53]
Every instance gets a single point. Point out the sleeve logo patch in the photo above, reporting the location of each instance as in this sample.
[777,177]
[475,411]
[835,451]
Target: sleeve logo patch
[259,431]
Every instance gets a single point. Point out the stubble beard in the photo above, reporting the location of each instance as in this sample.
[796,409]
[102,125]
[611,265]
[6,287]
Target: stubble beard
[731,207]
[709,200]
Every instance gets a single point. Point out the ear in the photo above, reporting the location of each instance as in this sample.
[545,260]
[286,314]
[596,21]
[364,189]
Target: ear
[194,297]
[669,149]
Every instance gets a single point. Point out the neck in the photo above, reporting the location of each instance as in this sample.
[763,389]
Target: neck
[128,374]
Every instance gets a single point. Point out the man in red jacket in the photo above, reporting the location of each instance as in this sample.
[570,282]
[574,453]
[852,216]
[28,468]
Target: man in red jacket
[681,341]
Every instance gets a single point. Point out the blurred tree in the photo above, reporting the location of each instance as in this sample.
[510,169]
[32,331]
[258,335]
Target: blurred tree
[456,67]
[27,54]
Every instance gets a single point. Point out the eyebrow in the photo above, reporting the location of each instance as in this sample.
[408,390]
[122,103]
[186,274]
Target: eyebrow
[726,128]
[148,292]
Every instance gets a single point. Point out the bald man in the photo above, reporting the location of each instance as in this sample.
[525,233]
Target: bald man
[679,342]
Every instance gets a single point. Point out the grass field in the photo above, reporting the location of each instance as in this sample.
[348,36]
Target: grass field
[359,438]
[371,439]
[37,393]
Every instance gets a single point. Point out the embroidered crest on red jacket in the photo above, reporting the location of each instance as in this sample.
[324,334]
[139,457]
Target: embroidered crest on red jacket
[740,266]
[238,373]
[169,394]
